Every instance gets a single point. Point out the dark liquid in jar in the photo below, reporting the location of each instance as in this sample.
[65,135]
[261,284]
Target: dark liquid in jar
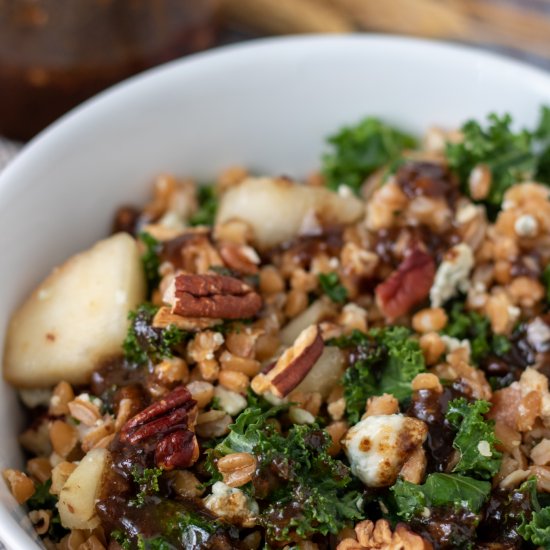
[56,53]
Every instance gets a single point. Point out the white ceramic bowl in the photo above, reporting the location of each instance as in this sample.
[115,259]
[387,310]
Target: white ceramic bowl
[267,105]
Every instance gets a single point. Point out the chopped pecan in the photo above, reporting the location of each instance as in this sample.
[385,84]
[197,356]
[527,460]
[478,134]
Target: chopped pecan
[212,296]
[407,286]
[167,425]
[164,318]
[292,367]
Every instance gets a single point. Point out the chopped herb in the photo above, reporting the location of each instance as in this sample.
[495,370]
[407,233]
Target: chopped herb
[144,343]
[385,361]
[331,286]
[358,151]
[511,156]
[150,260]
[439,490]
[148,481]
[475,439]
[208,206]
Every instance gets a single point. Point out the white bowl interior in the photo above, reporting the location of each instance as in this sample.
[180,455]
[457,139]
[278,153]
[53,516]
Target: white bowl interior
[266,105]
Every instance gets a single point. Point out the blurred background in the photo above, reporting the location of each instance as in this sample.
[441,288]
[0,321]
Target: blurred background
[56,53]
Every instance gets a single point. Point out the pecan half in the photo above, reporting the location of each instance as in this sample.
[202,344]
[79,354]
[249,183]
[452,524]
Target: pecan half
[166,425]
[293,365]
[407,286]
[212,296]
[164,318]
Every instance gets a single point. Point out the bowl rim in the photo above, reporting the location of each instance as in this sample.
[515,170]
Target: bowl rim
[11,533]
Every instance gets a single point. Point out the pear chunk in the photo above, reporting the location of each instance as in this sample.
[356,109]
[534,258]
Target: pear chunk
[77,318]
[78,496]
[278,210]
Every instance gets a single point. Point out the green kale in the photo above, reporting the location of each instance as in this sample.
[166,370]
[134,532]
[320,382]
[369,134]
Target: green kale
[404,361]
[384,361]
[313,493]
[546,281]
[208,206]
[439,490]
[148,481]
[358,151]
[472,326]
[535,528]
[538,529]
[143,343]
[511,156]
[475,439]
[507,154]
[150,260]
[331,286]
[44,500]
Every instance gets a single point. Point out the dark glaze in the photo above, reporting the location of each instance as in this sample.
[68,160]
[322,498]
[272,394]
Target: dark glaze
[428,179]
[447,528]
[430,407]
[502,516]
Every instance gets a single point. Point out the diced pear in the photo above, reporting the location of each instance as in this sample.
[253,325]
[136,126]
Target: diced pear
[276,209]
[77,318]
[78,496]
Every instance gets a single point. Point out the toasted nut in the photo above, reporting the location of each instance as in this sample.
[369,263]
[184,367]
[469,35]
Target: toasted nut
[84,411]
[382,404]
[21,486]
[426,381]
[430,319]
[234,381]
[213,424]
[479,182]
[415,466]
[165,318]
[432,346]
[62,394]
[185,483]
[293,365]
[239,257]
[63,436]
[407,286]
[202,392]
[178,449]
[39,468]
[336,430]
[40,520]
[215,296]
[237,469]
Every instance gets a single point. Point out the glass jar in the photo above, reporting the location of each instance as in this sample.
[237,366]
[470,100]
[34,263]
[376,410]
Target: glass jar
[56,53]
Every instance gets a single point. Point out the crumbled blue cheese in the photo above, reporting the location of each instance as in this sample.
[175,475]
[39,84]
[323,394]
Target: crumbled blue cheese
[379,445]
[484,448]
[452,274]
[231,402]
[452,344]
[538,335]
[233,504]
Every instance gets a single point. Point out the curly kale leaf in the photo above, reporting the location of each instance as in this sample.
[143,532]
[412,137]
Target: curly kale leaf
[357,151]
[511,156]
[331,286]
[404,361]
[546,281]
[208,206]
[475,439]
[144,343]
[314,491]
[384,361]
[150,260]
[535,528]
[471,326]
[439,490]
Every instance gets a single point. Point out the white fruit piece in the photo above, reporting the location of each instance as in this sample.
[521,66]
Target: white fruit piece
[79,494]
[77,318]
[276,209]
